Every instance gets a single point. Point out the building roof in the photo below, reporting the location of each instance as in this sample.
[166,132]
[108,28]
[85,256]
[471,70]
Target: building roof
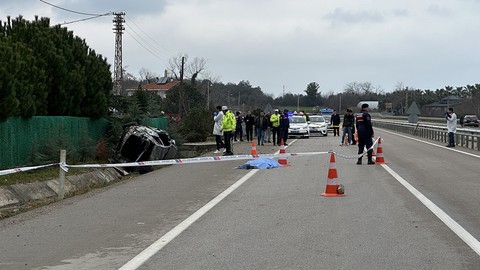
[160,86]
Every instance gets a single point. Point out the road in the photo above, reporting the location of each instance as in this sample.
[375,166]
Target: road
[271,219]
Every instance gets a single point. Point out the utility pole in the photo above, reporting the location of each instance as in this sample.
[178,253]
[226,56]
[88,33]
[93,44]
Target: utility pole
[118,67]
[181,70]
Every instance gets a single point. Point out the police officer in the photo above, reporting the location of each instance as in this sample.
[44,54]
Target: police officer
[365,133]
[228,127]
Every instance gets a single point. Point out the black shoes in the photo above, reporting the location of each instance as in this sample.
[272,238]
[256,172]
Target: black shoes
[228,154]
[370,162]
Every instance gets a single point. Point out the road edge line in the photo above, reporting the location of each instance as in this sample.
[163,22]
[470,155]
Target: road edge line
[444,217]
[151,250]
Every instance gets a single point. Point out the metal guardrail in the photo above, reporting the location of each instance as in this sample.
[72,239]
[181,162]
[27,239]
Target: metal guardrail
[468,138]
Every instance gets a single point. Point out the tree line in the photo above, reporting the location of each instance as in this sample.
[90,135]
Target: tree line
[46,70]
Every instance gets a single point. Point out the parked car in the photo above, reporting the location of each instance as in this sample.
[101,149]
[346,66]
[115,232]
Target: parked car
[298,127]
[469,120]
[318,125]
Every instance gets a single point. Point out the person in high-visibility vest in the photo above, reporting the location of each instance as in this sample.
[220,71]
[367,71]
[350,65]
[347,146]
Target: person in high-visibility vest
[228,127]
[275,120]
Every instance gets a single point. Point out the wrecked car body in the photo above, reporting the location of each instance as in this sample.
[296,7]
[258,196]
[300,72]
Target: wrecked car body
[143,143]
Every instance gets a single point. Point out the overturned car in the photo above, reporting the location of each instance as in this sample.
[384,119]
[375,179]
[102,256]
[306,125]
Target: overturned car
[142,143]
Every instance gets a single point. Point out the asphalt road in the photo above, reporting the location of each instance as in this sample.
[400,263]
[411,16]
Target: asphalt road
[274,219]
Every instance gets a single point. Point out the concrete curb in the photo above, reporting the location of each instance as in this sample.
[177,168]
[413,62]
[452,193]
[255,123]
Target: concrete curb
[22,197]
[18,198]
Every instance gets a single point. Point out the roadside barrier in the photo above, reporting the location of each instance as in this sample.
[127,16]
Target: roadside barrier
[282,161]
[331,189]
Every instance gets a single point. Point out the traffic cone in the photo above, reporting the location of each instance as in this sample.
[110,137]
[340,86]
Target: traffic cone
[282,160]
[380,159]
[345,142]
[332,183]
[254,149]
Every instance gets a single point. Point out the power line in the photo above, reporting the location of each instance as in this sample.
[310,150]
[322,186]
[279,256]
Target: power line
[166,49]
[147,43]
[73,11]
[163,59]
[85,19]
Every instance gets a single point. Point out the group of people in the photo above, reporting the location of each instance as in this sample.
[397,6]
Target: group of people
[360,123]
[228,128]
[269,128]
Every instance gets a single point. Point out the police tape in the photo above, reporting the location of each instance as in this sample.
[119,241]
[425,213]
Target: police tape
[358,155]
[65,166]
[24,169]
[194,160]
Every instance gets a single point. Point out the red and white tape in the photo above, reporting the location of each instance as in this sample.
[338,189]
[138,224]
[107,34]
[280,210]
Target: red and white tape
[65,167]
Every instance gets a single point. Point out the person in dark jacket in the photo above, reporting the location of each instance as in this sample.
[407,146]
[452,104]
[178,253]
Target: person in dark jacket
[284,126]
[348,121]
[249,122]
[335,123]
[365,133]
[238,128]
[261,124]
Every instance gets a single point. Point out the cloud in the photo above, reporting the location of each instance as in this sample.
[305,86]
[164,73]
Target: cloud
[439,10]
[340,15]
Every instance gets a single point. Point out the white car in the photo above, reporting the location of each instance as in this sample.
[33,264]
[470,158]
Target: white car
[298,127]
[318,125]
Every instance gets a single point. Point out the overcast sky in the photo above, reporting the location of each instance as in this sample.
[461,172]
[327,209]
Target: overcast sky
[280,44]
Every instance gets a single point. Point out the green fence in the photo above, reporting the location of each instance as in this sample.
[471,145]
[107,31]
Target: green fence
[21,138]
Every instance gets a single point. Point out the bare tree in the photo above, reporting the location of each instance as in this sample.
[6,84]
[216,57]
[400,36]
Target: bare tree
[147,75]
[191,69]
[195,68]
[175,65]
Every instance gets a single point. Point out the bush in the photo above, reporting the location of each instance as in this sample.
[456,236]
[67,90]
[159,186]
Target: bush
[197,125]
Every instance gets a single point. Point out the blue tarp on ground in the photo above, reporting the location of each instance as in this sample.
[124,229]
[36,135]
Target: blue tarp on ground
[260,163]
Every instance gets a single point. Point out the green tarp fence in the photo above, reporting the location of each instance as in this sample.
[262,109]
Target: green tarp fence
[21,138]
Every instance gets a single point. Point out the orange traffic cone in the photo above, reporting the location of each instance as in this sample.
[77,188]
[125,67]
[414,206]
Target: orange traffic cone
[332,183]
[345,142]
[254,149]
[380,159]
[282,160]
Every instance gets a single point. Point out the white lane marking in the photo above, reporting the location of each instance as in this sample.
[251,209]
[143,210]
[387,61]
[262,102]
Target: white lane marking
[452,224]
[430,143]
[147,253]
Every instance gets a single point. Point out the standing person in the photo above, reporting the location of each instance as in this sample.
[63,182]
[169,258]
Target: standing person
[239,128]
[268,132]
[217,129]
[335,123]
[249,122]
[451,126]
[228,128]
[275,119]
[284,125]
[261,125]
[365,133]
[347,127]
